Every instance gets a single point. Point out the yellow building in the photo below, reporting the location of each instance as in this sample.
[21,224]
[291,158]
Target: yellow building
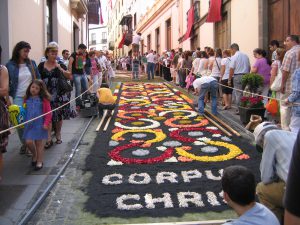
[41,21]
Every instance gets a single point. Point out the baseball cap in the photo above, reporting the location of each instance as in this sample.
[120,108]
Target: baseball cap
[259,133]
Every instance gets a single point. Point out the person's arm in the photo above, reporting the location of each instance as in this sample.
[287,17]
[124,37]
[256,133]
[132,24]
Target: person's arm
[206,65]
[267,164]
[71,60]
[290,219]
[253,69]
[295,87]
[274,72]
[4,79]
[64,70]
[223,68]
[285,75]
[48,117]
[211,64]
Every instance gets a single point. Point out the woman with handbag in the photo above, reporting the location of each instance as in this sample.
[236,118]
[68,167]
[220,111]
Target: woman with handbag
[22,71]
[55,75]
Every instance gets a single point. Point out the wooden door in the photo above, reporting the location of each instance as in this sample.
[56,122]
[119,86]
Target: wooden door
[169,34]
[284,19]
[222,33]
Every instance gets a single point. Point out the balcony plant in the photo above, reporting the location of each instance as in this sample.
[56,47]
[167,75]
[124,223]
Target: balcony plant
[250,103]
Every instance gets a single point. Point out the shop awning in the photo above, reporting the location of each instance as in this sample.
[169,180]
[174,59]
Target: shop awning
[214,13]
[190,23]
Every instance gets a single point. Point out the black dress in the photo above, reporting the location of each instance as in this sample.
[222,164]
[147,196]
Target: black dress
[50,78]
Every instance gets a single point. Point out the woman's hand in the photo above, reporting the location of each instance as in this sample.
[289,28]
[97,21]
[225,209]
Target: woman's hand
[45,127]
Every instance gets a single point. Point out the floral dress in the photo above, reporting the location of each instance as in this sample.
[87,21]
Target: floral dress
[50,78]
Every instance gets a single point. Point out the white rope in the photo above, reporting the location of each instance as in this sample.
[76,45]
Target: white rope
[33,119]
[250,93]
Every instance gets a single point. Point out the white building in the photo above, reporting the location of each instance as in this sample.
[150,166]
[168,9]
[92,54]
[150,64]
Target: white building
[98,37]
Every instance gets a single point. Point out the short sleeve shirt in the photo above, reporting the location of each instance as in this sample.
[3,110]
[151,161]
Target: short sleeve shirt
[240,63]
[263,69]
[226,62]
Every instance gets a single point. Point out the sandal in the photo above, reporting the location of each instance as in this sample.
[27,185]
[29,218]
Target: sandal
[58,141]
[38,166]
[48,144]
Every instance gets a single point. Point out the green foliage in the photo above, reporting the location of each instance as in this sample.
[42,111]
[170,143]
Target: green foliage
[253,80]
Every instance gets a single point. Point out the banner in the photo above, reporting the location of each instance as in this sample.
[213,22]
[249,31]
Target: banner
[214,13]
[190,23]
[122,41]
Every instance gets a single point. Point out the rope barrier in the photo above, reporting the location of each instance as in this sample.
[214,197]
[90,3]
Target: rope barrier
[246,92]
[33,119]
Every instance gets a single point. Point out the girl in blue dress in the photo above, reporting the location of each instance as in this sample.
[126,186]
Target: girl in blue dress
[37,102]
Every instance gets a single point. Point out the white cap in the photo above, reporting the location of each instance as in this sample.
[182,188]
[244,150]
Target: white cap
[260,131]
[53,44]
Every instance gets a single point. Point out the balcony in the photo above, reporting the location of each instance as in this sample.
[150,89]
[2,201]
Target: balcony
[79,6]
[111,45]
[103,41]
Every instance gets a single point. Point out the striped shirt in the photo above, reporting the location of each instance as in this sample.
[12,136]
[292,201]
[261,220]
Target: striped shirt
[277,154]
[290,64]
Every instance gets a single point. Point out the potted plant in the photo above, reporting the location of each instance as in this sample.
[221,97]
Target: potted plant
[251,104]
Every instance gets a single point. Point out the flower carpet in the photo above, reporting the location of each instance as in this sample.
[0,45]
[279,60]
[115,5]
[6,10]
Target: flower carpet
[160,158]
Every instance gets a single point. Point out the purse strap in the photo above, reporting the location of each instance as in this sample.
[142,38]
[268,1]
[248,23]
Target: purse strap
[217,64]
[32,69]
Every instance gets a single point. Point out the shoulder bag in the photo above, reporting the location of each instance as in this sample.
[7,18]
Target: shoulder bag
[63,84]
[276,85]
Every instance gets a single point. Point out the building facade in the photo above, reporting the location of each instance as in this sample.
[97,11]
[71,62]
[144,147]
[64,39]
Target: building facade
[41,21]
[98,37]
[251,24]
[133,11]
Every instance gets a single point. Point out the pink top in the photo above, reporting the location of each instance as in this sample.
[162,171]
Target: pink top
[47,108]
[95,70]
[264,69]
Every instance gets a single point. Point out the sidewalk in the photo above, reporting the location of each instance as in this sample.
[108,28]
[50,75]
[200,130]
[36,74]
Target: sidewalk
[21,185]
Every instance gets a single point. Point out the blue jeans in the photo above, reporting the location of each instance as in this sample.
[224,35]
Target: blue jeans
[150,69]
[213,88]
[19,101]
[81,85]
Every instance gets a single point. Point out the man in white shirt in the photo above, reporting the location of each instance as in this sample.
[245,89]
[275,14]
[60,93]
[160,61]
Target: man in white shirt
[277,147]
[102,60]
[136,44]
[150,64]
[239,66]
[202,86]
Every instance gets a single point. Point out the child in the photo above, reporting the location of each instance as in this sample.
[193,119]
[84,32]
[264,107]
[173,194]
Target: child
[135,69]
[106,99]
[110,71]
[37,100]
[189,81]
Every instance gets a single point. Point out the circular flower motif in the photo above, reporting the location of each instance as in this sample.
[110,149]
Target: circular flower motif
[139,135]
[170,123]
[176,134]
[233,152]
[154,124]
[195,133]
[116,155]
[209,149]
[141,152]
[173,107]
[172,144]
[159,135]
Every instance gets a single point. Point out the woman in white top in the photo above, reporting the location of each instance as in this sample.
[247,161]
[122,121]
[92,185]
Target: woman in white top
[225,68]
[203,64]
[214,64]
[196,63]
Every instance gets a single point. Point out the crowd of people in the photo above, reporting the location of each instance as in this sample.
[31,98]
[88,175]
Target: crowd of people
[46,89]
[228,67]
[210,74]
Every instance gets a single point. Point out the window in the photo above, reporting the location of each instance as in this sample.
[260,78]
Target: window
[196,4]
[134,21]
[149,42]
[157,40]
[104,38]
[49,21]
[169,34]
[93,39]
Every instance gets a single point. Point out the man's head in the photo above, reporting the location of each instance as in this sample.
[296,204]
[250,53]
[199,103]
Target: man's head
[65,54]
[140,34]
[81,48]
[260,132]
[291,41]
[238,185]
[274,44]
[234,48]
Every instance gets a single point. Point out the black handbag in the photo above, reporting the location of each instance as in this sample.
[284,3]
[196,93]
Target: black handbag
[63,84]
